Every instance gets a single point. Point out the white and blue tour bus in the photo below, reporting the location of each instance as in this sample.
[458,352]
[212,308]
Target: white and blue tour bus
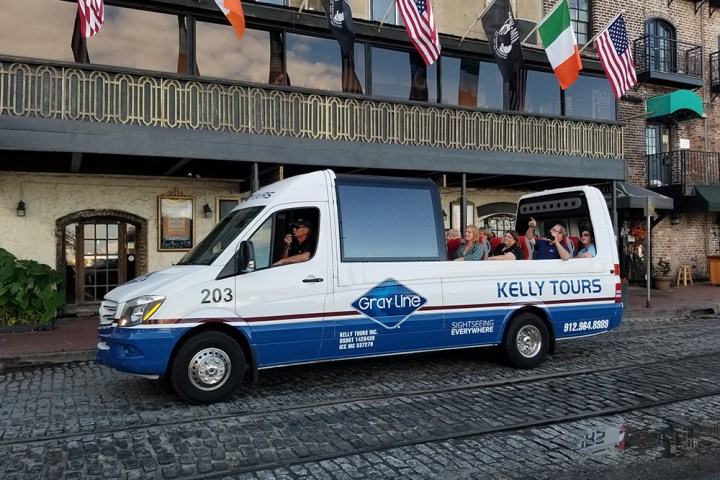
[377,283]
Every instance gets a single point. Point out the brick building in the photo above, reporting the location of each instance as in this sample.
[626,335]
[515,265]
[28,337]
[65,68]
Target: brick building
[173,113]
[671,122]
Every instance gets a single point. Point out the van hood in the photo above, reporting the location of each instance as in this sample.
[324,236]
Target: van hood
[148,283]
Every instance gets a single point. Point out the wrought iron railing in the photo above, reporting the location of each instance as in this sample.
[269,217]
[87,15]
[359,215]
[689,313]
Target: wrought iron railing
[683,167]
[66,91]
[661,54]
[715,71]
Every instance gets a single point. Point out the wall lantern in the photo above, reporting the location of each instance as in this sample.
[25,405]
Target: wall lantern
[207,210]
[21,209]
[675,219]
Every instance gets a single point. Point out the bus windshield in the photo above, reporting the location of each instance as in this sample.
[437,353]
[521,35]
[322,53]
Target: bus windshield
[220,237]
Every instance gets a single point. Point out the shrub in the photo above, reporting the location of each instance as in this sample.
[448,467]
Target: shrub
[28,291]
[662,269]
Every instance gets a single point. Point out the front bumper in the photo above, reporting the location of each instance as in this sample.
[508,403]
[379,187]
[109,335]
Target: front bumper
[144,351]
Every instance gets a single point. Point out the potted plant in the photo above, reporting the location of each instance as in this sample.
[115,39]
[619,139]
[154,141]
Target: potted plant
[661,275]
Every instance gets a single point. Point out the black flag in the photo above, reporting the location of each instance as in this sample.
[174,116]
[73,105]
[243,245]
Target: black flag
[78,43]
[503,37]
[339,17]
[518,87]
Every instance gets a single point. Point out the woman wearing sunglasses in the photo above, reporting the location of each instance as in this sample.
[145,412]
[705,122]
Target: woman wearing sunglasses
[588,245]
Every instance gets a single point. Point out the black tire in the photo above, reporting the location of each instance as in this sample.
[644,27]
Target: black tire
[527,341]
[208,368]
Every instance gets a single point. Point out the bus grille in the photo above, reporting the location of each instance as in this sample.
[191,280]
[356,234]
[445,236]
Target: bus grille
[107,312]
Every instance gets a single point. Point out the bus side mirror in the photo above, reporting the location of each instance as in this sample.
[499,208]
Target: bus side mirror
[246,257]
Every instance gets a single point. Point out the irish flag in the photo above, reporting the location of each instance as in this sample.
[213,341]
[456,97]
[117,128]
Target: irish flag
[560,44]
[233,11]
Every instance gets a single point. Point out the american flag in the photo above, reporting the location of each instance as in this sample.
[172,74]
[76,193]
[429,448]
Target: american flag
[419,22]
[92,16]
[613,48]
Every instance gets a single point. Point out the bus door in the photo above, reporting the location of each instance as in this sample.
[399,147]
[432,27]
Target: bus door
[284,305]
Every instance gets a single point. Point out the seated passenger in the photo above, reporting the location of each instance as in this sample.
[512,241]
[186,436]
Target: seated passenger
[509,249]
[548,248]
[470,249]
[587,240]
[452,237]
[299,246]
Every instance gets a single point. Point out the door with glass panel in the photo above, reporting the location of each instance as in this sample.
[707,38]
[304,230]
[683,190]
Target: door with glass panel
[657,145]
[99,256]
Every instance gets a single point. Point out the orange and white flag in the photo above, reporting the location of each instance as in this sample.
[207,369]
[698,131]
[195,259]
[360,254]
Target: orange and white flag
[92,16]
[233,11]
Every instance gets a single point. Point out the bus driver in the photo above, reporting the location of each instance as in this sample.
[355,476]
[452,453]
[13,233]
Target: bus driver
[299,246]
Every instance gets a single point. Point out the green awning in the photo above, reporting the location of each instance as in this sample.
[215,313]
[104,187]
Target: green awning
[707,198]
[678,106]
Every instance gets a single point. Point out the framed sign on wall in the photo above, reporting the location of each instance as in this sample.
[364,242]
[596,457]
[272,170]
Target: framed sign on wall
[175,223]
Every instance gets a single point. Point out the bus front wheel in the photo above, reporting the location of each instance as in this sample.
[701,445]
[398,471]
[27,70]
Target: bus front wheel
[527,341]
[207,368]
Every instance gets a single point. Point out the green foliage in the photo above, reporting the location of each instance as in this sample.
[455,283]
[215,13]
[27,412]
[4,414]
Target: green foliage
[28,291]
[662,269]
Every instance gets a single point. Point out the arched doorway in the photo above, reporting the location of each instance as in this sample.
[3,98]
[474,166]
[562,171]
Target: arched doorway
[99,250]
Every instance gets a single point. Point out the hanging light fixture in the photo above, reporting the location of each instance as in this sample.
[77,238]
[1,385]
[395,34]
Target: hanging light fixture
[21,209]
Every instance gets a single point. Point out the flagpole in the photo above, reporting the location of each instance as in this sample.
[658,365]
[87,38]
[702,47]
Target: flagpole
[302,5]
[386,14]
[601,31]
[537,25]
[476,20]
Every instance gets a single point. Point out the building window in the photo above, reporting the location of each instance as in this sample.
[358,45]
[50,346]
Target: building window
[471,83]
[220,54]
[378,8]
[312,5]
[590,97]
[660,46]
[403,75]
[542,93]
[314,62]
[580,18]
[499,223]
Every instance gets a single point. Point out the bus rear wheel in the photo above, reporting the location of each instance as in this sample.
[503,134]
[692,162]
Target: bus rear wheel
[527,341]
[208,368]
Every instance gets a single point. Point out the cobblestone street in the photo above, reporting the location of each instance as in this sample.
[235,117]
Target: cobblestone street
[459,414]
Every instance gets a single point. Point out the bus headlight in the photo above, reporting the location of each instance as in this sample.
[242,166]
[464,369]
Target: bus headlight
[139,310]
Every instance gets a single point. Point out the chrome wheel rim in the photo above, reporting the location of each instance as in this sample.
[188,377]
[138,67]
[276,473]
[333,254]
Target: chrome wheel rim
[209,369]
[529,341]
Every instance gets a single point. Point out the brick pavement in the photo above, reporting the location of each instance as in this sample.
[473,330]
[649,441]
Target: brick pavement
[83,420]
